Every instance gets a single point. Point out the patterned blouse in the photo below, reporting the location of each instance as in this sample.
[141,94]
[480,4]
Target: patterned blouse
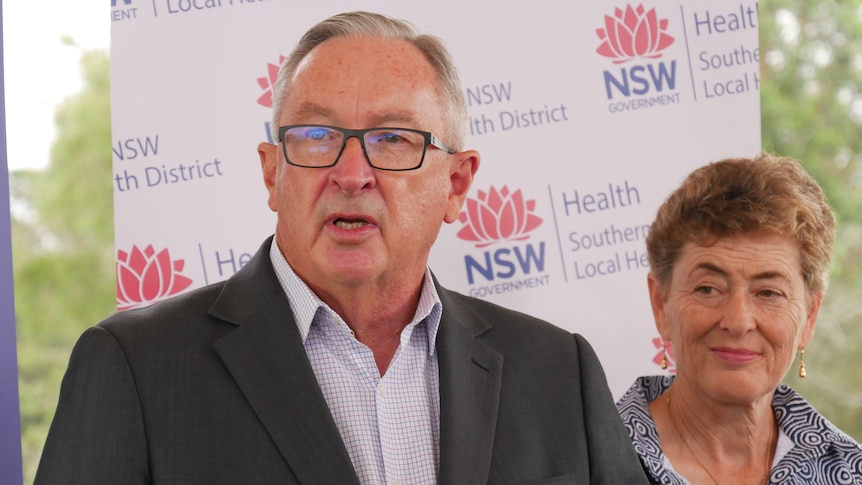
[810,451]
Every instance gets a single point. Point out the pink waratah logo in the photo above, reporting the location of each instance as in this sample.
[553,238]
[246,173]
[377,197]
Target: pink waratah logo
[267,83]
[671,363]
[147,276]
[498,216]
[633,33]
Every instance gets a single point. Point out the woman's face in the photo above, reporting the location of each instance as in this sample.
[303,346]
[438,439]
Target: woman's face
[736,312]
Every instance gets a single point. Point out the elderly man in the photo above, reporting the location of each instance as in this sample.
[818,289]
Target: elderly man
[333,356]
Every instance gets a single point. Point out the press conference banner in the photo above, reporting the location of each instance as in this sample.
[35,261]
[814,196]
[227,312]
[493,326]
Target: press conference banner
[586,114]
[10,421]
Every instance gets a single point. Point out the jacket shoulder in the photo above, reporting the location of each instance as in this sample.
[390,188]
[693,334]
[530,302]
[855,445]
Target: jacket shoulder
[193,304]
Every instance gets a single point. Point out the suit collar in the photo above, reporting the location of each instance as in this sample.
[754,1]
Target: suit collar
[470,377]
[265,356]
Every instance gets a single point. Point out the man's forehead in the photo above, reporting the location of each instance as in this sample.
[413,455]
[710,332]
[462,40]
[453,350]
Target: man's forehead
[370,80]
[366,49]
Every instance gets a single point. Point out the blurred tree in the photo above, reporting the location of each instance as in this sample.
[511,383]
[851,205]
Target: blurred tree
[811,93]
[63,245]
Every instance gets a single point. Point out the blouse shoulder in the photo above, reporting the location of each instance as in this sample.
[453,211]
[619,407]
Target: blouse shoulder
[637,419]
[821,452]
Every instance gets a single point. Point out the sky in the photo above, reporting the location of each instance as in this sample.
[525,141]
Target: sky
[40,71]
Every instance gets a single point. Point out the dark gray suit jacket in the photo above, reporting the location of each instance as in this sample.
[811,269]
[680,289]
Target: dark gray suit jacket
[214,387]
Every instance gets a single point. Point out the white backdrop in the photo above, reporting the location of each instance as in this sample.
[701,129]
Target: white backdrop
[583,130]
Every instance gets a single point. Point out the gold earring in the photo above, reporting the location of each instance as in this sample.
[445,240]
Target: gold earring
[802,363]
[663,355]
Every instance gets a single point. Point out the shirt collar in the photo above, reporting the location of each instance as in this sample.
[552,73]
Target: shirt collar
[305,303]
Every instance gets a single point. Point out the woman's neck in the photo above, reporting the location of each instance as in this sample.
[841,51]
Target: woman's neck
[706,440]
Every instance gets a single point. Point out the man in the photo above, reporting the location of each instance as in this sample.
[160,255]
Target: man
[333,356]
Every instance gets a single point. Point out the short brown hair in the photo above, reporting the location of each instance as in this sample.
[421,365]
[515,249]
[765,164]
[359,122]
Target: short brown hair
[738,196]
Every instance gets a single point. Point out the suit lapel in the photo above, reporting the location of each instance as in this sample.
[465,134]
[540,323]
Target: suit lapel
[266,357]
[470,375]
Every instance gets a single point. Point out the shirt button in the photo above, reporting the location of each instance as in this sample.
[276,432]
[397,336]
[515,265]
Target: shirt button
[381,390]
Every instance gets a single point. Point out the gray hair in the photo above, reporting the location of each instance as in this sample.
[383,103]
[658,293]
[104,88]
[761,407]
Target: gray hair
[366,24]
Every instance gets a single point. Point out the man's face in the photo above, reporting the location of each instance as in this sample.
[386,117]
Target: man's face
[350,224]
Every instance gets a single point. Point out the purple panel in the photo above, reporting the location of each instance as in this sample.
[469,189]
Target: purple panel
[10,421]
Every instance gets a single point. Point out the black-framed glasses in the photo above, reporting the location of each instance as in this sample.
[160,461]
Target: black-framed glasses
[320,146]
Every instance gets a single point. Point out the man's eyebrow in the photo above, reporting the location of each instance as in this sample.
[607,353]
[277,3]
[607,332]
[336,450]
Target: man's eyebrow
[306,110]
[397,115]
[388,117]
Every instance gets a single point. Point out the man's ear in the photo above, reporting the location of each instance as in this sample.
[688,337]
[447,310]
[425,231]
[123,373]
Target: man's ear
[461,175]
[268,166]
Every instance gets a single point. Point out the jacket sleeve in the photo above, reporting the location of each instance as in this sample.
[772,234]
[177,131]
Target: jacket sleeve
[97,435]
[612,457]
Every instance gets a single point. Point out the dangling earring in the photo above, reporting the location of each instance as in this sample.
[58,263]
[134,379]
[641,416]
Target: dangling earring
[802,363]
[663,355]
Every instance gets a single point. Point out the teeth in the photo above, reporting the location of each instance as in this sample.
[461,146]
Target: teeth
[350,225]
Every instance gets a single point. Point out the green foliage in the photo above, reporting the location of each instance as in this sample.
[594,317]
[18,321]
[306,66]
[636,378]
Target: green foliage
[62,240]
[70,199]
[811,102]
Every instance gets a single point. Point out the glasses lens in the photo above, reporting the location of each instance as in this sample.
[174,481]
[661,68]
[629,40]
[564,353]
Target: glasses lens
[312,146]
[394,149]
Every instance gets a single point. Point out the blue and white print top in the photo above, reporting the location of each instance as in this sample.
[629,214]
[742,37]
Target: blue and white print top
[810,451]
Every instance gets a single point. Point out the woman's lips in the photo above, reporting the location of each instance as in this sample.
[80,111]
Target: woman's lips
[735,356]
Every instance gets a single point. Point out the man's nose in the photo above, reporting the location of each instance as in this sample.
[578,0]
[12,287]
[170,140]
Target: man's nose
[353,171]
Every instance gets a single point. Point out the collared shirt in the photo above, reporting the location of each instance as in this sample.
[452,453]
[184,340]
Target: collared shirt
[390,424]
[810,450]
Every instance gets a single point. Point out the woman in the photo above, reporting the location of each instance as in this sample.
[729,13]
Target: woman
[739,259]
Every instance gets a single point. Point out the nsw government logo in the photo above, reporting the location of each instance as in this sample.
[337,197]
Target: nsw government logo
[504,219]
[123,10]
[267,83]
[634,39]
[147,276]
